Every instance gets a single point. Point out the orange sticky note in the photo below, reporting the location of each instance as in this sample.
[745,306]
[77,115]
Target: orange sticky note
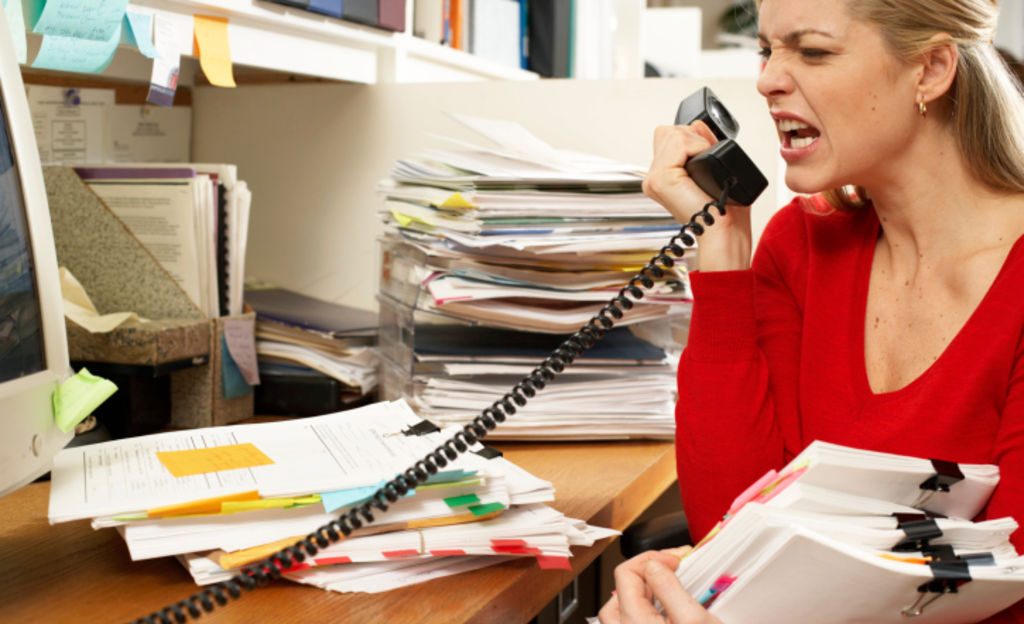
[200,507]
[211,46]
[214,459]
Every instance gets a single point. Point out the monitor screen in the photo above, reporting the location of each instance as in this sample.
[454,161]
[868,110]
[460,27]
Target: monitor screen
[22,351]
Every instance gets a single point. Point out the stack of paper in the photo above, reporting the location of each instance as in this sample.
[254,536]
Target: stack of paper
[530,239]
[622,387]
[295,330]
[193,218]
[878,524]
[222,498]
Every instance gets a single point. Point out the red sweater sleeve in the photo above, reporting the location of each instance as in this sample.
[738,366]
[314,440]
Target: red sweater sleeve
[737,415]
[1008,498]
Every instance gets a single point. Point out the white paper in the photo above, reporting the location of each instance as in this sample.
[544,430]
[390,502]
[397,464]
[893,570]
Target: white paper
[149,133]
[70,123]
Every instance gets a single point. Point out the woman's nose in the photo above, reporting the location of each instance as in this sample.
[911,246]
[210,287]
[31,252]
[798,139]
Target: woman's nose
[774,80]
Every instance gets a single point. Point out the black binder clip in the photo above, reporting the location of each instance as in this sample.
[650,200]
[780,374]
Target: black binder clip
[489,452]
[949,577]
[947,474]
[423,427]
[919,531]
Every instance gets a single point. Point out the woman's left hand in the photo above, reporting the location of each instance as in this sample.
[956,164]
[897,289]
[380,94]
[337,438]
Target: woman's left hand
[647,577]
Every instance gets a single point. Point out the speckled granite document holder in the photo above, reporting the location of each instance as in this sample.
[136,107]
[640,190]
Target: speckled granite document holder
[120,274]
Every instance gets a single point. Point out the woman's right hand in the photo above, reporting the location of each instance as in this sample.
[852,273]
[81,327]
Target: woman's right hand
[726,245]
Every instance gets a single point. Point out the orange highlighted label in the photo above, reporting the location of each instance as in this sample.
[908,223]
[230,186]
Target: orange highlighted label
[214,459]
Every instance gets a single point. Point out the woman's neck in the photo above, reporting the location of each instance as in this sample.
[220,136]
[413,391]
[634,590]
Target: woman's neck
[933,211]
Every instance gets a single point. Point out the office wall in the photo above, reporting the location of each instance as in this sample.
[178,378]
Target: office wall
[312,154]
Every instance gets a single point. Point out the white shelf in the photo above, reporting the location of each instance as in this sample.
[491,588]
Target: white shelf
[273,37]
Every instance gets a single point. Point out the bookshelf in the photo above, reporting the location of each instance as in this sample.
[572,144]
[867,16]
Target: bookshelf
[270,40]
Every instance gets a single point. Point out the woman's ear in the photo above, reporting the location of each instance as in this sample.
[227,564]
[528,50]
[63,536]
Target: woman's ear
[938,68]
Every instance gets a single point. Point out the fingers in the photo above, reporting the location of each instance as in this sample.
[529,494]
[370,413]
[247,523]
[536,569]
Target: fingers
[609,613]
[673,145]
[678,604]
[634,597]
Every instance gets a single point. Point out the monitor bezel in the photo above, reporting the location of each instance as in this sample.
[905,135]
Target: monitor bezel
[29,437]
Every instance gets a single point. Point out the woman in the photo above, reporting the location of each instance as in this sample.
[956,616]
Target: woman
[889,316]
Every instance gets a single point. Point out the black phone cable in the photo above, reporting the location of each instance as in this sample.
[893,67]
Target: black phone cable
[258,574]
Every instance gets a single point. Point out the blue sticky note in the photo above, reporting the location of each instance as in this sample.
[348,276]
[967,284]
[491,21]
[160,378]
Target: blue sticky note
[346,498]
[234,383]
[96,20]
[331,8]
[450,476]
[76,55]
[138,31]
[16,25]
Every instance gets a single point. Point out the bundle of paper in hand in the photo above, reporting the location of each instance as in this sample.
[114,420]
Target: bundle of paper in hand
[844,535]
[529,239]
[314,356]
[221,498]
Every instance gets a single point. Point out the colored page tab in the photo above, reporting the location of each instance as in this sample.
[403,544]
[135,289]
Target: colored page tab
[481,510]
[213,459]
[553,563]
[448,485]
[344,498]
[202,506]
[139,32]
[241,339]
[78,397]
[233,381]
[211,42]
[450,476]
[462,501]
[16,26]
[245,556]
[77,55]
[229,507]
[96,20]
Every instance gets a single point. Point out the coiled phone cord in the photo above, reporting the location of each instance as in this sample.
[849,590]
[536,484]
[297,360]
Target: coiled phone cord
[259,574]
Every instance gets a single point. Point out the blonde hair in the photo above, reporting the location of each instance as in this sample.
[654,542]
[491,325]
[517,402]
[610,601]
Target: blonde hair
[985,100]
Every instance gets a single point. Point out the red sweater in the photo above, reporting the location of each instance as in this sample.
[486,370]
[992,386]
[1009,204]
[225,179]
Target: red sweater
[775,360]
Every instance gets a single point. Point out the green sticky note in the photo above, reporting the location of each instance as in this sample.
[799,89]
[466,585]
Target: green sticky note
[97,20]
[16,25]
[78,397]
[462,501]
[77,55]
[483,510]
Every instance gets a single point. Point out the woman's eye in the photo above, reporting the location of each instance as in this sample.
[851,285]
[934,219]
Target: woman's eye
[813,53]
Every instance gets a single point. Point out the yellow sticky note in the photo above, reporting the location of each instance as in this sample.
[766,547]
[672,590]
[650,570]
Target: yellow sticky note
[214,459]
[78,396]
[456,201]
[211,44]
[200,507]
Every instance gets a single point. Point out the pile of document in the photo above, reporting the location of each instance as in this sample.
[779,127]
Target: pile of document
[525,237]
[844,535]
[297,335]
[193,218]
[221,498]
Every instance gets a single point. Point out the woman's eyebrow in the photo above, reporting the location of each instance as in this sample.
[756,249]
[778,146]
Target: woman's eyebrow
[794,37]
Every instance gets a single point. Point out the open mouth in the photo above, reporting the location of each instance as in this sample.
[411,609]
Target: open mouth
[797,134]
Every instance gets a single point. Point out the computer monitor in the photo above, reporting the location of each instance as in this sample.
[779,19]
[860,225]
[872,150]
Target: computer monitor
[33,343]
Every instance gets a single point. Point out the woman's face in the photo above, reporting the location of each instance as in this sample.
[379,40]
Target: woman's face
[844,106]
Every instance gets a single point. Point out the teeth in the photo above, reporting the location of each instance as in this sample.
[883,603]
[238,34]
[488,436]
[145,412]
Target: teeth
[801,142]
[789,125]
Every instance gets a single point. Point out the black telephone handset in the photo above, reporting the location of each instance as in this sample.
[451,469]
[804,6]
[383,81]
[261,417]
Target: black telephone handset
[724,172]
[725,163]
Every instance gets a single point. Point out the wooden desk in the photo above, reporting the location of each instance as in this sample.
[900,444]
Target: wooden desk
[70,573]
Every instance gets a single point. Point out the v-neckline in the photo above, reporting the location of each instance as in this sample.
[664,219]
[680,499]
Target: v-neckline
[867,260]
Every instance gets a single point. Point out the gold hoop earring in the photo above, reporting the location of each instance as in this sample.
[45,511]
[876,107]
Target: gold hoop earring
[922,108]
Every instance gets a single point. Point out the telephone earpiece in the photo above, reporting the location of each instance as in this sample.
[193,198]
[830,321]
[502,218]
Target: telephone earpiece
[725,163]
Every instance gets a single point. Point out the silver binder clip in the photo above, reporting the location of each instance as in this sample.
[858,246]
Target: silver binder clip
[919,605]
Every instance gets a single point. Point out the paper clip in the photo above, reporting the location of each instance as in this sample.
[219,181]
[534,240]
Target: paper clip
[919,605]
